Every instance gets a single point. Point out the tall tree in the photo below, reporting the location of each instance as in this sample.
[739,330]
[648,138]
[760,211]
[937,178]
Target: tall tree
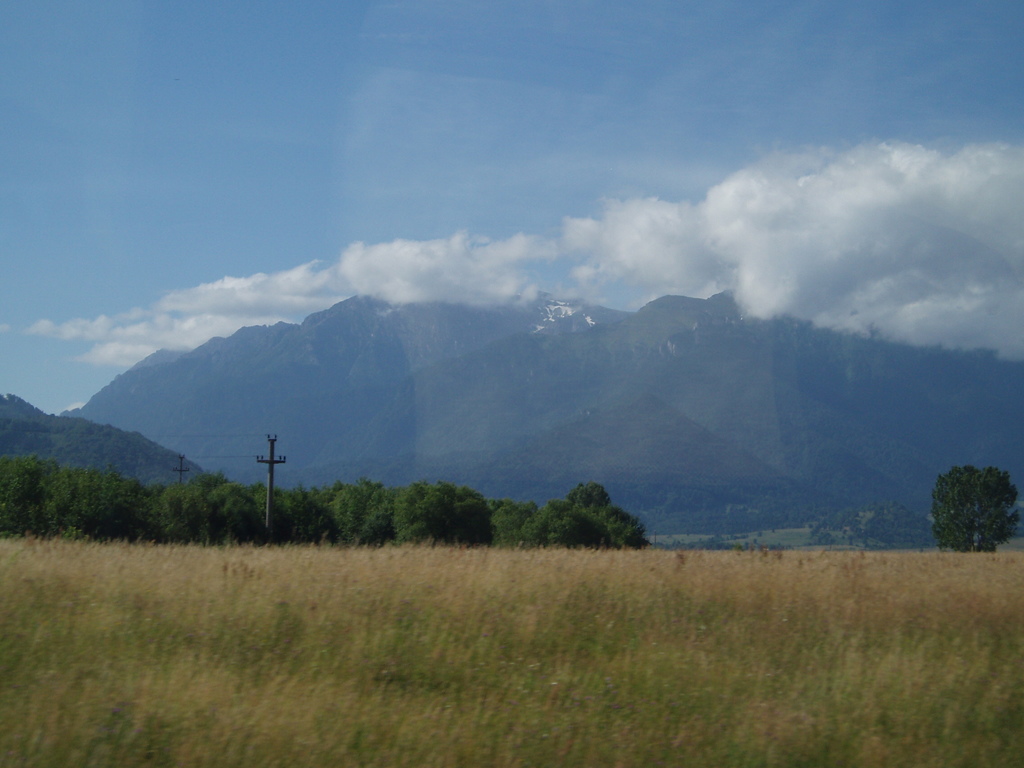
[973,509]
[365,512]
[24,487]
[442,512]
[590,495]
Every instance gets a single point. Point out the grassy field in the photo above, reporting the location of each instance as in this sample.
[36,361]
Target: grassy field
[186,656]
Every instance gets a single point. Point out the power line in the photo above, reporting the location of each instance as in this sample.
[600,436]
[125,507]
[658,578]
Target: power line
[216,434]
[234,456]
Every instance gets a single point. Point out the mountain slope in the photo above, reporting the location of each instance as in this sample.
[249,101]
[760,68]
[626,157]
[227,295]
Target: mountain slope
[76,442]
[329,384]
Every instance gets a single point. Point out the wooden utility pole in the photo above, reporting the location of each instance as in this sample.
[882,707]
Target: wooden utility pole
[181,469]
[270,462]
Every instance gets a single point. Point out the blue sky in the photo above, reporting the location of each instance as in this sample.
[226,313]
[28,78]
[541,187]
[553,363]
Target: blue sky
[173,171]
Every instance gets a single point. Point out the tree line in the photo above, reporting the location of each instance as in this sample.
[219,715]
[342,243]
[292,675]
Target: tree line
[42,498]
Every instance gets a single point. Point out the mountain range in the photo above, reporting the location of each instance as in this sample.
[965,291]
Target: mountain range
[692,415]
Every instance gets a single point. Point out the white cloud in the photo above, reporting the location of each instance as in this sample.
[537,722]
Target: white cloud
[4,327]
[924,246]
[461,268]
[649,243]
[300,290]
[185,319]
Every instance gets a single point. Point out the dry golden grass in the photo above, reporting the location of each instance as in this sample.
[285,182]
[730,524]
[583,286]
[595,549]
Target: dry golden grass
[134,655]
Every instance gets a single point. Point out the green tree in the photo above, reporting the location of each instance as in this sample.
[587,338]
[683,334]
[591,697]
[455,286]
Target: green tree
[617,527]
[235,515]
[585,518]
[589,495]
[507,520]
[442,513]
[364,511]
[182,513]
[972,509]
[101,505]
[304,515]
[24,486]
[560,523]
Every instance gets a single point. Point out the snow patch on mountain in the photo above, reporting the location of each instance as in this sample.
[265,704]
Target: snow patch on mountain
[555,311]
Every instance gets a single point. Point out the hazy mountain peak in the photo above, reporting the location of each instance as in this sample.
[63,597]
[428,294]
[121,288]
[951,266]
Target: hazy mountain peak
[720,304]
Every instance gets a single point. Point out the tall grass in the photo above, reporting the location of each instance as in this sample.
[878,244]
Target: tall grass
[135,655]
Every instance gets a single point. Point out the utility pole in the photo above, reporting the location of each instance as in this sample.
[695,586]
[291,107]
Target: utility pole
[181,469]
[270,462]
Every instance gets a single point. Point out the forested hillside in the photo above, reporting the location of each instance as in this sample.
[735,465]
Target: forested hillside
[25,430]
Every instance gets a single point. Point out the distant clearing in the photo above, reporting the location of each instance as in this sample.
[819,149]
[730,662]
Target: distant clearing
[785,538]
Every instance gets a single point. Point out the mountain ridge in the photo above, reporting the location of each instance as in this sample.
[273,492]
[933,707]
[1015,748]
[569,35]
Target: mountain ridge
[683,409]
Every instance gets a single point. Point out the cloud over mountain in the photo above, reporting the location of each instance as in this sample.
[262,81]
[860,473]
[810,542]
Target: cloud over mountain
[458,269]
[924,246]
[919,244]
[184,319]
